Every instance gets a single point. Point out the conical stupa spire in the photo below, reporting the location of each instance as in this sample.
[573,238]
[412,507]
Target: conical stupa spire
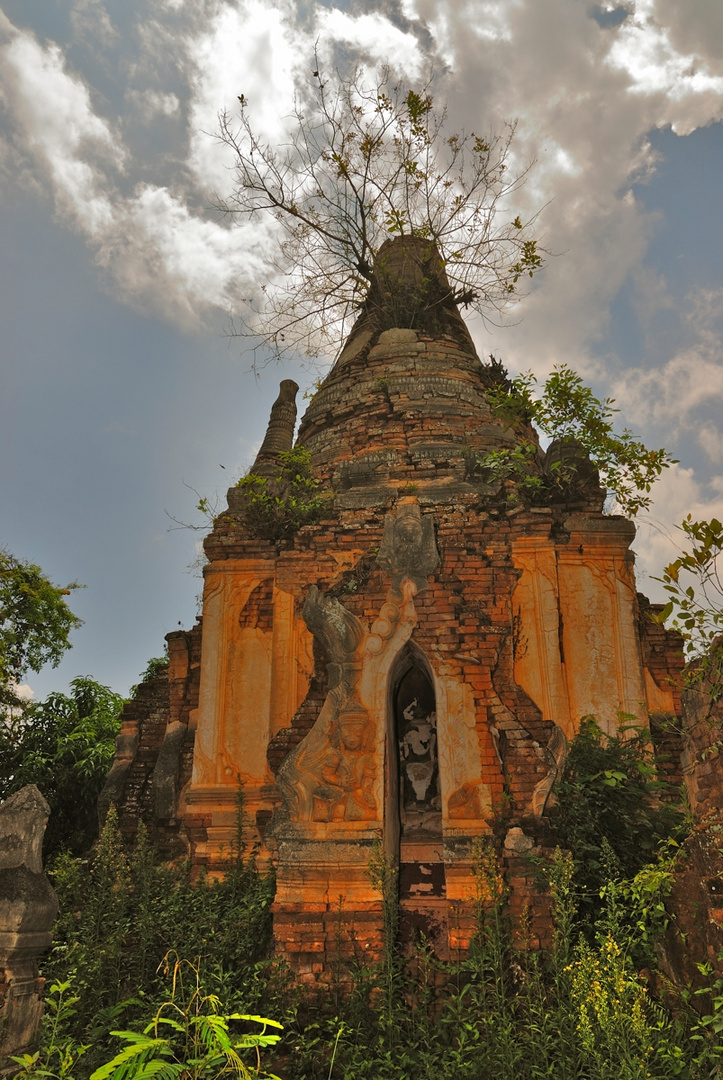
[405,403]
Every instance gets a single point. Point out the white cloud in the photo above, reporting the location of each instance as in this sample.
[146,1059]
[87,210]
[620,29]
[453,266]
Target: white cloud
[92,25]
[56,127]
[152,103]
[710,438]
[375,37]
[586,97]
[254,50]
[696,27]
[408,9]
[676,396]
[23,691]
[650,294]
[645,51]
[669,395]
[164,257]
[490,19]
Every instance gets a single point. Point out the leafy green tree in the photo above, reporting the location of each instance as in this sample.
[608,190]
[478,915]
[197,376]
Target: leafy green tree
[567,409]
[35,622]
[65,745]
[613,809]
[365,162]
[694,582]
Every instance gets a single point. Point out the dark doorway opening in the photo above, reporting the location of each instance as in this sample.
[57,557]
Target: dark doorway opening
[422,886]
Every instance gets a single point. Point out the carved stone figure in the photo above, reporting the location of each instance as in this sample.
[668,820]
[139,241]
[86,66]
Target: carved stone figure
[418,759]
[556,754]
[408,548]
[29,906]
[330,775]
[340,632]
[347,773]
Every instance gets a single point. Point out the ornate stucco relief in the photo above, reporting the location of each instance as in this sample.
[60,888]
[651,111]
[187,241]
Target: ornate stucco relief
[336,773]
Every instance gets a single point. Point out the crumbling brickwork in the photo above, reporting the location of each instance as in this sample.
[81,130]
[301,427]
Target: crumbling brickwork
[165,703]
[695,933]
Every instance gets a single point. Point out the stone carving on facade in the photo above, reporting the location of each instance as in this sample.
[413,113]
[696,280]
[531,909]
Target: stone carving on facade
[418,764]
[340,632]
[464,803]
[408,548]
[330,775]
[556,754]
[28,909]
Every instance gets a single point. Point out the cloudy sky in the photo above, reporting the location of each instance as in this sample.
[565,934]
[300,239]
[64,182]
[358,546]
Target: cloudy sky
[122,394]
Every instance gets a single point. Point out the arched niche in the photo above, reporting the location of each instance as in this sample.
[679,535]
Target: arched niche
[413,827]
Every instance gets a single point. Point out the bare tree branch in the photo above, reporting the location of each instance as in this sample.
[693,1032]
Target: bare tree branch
[365,163]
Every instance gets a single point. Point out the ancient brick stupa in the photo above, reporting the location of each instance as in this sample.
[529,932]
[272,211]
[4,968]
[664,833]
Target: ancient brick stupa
[407,670]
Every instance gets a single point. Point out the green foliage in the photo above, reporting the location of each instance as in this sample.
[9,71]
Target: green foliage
[65,745]
[503,1011]
[611,1015]
[612,810]
[35,621]
[697,608]
[278,507]
[189,1037]
[517,464]
[567,409]
[384,877]
[707,1033]
[633,910]
[122,911]
[58,1057]
[156,666]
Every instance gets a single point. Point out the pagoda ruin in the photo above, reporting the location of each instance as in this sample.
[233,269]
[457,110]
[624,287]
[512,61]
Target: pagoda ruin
[402,675]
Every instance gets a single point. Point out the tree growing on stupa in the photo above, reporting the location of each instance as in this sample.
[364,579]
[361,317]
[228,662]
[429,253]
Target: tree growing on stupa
[365,162]
[368,163]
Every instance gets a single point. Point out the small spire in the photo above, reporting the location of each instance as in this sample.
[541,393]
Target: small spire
[280,431]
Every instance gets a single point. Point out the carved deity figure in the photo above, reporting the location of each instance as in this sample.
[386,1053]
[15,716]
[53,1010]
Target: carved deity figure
[408,548]
[419,769]
[347,771]
[330,776]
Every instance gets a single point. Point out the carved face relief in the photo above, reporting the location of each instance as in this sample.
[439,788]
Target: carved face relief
[408,548]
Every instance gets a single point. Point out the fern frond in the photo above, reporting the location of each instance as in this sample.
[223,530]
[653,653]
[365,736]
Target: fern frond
[126,1064]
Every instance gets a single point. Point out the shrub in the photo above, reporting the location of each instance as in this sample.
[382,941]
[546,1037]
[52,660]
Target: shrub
[613,809]
[277,507]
